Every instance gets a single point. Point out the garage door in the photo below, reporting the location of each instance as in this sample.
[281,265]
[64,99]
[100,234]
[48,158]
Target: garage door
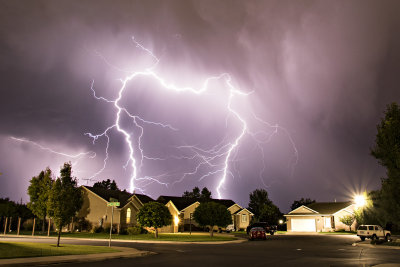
[303,225]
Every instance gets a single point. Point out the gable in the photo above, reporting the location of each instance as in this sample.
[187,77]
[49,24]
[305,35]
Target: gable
[303,210]
[234,208]
[244,211]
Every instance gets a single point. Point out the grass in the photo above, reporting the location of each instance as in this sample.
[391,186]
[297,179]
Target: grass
[339,233]
[182,237]
[23,250]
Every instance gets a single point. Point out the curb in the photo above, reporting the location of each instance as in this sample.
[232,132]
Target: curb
[124,253]
[374,246]
[237,241]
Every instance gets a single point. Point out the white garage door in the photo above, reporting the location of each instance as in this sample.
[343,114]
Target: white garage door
[303,225]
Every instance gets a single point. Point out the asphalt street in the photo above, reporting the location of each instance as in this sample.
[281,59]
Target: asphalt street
[278,250]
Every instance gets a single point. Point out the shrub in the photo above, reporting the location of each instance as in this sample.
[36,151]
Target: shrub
[96,229]
[123,231]
[83,225]
[106,228]
[134,230]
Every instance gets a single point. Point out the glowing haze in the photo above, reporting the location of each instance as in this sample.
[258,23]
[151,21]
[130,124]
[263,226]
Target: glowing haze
[232,95]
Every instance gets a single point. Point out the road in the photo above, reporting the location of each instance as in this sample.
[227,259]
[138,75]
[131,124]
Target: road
[278,250]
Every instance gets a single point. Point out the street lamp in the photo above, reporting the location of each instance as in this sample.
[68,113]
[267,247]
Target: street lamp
[280,221]
[360,200]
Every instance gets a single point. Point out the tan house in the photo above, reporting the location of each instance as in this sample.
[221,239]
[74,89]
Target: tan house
[96,211]
[319,217]
[184,208]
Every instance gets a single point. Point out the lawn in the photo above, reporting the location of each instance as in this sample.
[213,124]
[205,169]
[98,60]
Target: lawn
[183,237]
[339,233]
[23,250]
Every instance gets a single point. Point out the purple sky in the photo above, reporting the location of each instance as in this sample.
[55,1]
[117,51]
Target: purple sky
[323,71]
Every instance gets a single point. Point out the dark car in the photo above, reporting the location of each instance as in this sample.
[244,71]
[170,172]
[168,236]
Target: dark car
[271,229]
[257,233]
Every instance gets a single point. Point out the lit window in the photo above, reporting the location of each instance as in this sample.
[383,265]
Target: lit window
[244,218]
[128,215]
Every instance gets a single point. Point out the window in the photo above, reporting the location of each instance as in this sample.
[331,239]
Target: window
[370,228]
[376,228]
[244,218]
[128,215]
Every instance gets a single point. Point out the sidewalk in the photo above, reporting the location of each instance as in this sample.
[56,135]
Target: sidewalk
[239,240]
[124,253]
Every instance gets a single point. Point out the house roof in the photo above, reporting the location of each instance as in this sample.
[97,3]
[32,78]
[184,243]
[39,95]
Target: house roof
[179,202]
[226,202]
[122,196]
[106,194]
[143,198]
[238,211]
[328,207]
[182,202]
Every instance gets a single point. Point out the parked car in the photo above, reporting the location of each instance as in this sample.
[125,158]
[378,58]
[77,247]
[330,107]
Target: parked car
[228,229]
[374,232]
[257,233]
[271,229]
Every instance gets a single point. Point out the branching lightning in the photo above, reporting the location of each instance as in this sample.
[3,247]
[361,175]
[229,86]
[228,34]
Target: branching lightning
[216,161]
[209,158]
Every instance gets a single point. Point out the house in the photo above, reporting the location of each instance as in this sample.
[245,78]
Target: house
[184,208]
[96,211]
[319,217]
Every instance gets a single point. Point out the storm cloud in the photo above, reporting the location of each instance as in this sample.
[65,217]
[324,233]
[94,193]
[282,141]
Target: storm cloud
[322,70]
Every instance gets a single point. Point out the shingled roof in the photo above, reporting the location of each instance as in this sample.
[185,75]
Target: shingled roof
[122,196]
[179,202]
[328,207]
[182,202]
[143,198]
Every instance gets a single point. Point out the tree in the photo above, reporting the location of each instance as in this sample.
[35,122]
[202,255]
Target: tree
[65,199]
[263,208]
[154,214]
[301,202]
[212,214]
[38,191]
[347,220]
[107,184]
[387,152]
[204,195]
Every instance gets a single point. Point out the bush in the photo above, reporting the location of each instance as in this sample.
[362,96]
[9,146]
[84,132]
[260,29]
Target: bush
[96,229]
[28,224]
[107,226]
[83,225]
[123,231]
[134,230]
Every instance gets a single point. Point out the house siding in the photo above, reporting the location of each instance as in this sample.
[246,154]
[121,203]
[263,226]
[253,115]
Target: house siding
[95,210]
[173,228]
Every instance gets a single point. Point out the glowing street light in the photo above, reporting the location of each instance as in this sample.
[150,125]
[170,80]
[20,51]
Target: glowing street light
[360,200]
[280,221]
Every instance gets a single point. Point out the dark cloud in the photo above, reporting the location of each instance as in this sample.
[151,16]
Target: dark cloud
[322,70]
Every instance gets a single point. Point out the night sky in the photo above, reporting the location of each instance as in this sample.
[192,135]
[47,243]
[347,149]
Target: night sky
[316,78]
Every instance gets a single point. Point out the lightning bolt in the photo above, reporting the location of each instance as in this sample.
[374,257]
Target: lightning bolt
[207,157]
[217,160]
